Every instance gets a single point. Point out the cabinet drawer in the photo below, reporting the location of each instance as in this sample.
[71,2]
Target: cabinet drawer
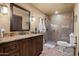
[15,54]
[11,47]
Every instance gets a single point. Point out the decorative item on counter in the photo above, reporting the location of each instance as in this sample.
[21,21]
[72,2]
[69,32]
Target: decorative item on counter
[2,32]
[35,30]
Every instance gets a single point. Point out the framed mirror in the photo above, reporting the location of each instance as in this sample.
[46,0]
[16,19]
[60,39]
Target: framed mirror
[20,18]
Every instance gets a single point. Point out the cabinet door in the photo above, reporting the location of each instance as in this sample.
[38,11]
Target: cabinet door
[1,51]
[34,46]
[25,47]
[40,39]
[39,44]
[30,47]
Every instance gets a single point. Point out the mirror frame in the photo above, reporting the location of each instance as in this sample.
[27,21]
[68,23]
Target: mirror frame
[11,16]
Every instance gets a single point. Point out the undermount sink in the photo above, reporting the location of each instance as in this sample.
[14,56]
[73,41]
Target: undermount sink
[22,33]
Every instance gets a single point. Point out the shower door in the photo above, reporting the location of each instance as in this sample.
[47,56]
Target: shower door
[60,26]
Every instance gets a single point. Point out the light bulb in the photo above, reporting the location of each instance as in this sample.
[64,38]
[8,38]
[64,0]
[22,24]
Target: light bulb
[4,9]
[56,12]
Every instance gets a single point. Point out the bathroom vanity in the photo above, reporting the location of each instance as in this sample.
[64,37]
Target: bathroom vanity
[21,45]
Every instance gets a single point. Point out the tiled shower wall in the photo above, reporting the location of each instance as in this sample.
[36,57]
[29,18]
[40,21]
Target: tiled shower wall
[60,26]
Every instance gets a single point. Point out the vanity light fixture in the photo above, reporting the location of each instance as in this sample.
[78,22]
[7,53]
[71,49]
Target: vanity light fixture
[56,12]
[3,9]
[33,18]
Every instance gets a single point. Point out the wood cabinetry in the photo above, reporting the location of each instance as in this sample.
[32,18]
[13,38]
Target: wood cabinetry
[24,47]
[10,48]
[37,43]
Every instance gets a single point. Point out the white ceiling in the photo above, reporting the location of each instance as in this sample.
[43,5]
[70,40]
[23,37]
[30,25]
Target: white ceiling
[50,8]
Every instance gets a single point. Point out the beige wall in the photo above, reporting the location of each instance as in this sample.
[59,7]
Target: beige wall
[5,19]
[76,26]
[34,12]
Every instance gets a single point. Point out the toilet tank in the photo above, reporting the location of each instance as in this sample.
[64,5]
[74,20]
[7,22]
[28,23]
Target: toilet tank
[72,38]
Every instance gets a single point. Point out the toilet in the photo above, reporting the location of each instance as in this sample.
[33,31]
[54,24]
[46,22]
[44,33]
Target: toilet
[65,44]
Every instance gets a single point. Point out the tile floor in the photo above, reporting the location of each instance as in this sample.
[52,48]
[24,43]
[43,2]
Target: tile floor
[51,49]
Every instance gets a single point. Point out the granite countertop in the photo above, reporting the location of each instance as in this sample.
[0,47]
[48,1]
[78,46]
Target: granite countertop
[17,37]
